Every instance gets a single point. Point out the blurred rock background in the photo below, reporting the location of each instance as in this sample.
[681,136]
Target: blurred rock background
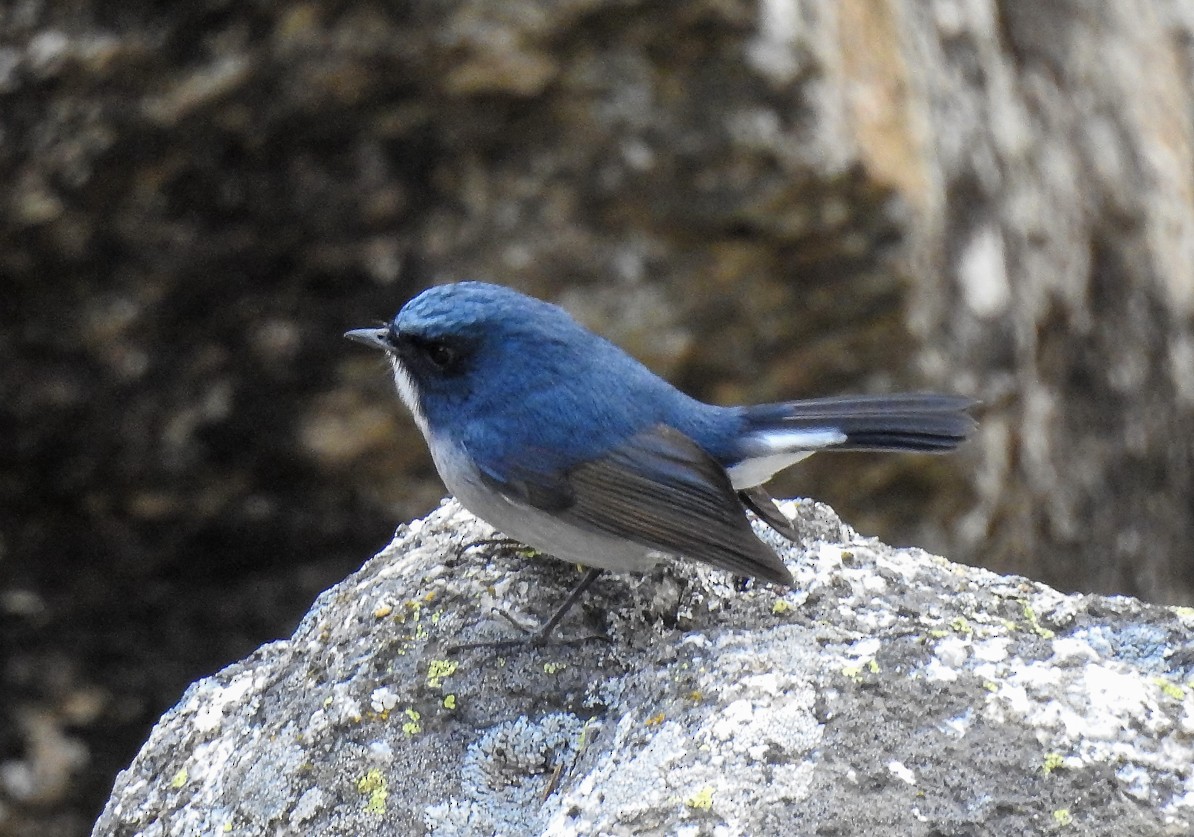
[762,200]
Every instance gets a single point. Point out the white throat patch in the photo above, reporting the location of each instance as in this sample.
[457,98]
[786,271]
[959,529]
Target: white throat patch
[410,395]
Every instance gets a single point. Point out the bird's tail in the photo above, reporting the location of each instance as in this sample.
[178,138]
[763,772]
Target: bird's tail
[927,422]
[775,436]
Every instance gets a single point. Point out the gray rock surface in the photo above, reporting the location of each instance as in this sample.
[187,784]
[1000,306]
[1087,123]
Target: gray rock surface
[890,692]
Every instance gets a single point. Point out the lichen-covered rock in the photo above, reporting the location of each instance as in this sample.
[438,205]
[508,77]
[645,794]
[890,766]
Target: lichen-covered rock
[889,692]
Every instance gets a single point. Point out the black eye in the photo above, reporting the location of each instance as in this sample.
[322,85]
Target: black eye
[433,356]
[442,356]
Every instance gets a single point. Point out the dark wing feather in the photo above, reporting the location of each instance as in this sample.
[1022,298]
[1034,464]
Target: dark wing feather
[760,502]
[662,490]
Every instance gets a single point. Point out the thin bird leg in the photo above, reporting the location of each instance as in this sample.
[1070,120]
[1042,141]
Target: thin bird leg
[585,583]
[541,636]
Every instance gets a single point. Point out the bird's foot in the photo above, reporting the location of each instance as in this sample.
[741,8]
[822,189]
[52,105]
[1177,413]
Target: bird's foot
[530,638]
[539,638]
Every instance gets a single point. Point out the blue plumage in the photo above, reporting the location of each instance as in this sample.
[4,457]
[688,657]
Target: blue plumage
[561,440]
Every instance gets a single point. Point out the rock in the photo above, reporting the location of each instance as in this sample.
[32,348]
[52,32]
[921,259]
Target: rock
[889,692]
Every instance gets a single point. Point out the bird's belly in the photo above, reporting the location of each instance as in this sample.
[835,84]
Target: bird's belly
[533,527]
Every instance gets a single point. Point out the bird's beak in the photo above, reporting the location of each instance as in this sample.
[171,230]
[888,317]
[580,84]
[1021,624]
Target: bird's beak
[375,338]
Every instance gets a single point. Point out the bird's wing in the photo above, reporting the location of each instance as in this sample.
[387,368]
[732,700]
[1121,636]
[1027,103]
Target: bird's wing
[759,501]
[659,489]
[536,478]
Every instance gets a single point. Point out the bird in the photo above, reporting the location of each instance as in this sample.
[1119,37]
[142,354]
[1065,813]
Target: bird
[562,441]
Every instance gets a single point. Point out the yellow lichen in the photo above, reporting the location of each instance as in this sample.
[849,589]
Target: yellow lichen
[1040,631]
[437,670]
[374,785]
[702,800]
[961,626]
[1170,688]
[413,723]
[1052,762]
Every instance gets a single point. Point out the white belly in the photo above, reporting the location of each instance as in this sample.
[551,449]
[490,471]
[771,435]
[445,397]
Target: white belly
[537,529]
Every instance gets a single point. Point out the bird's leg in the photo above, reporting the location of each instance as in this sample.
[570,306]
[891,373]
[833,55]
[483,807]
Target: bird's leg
[541,636]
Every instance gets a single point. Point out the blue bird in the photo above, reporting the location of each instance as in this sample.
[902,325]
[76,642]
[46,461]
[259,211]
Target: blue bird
[560,440]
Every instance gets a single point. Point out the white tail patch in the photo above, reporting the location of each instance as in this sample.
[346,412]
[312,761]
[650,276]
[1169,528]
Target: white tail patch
[779,449]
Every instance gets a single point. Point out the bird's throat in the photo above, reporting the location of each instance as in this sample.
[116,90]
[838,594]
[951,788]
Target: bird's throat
[410,395]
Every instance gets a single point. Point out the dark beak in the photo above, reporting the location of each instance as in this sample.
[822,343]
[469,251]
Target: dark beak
[374,338]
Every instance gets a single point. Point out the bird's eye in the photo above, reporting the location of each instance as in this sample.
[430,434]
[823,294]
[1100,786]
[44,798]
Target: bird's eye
[442,357]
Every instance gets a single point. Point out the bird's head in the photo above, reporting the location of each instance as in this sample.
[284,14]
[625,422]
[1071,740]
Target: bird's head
[471,342]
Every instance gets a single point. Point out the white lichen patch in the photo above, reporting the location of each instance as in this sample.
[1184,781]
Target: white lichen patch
[936,671]
[383,699]
[952,651]
[1073,650]
[900,771]
[307,806]
[210,704]
[503,772]
[993,650]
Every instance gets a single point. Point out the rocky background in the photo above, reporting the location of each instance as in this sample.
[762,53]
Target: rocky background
[759,199]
